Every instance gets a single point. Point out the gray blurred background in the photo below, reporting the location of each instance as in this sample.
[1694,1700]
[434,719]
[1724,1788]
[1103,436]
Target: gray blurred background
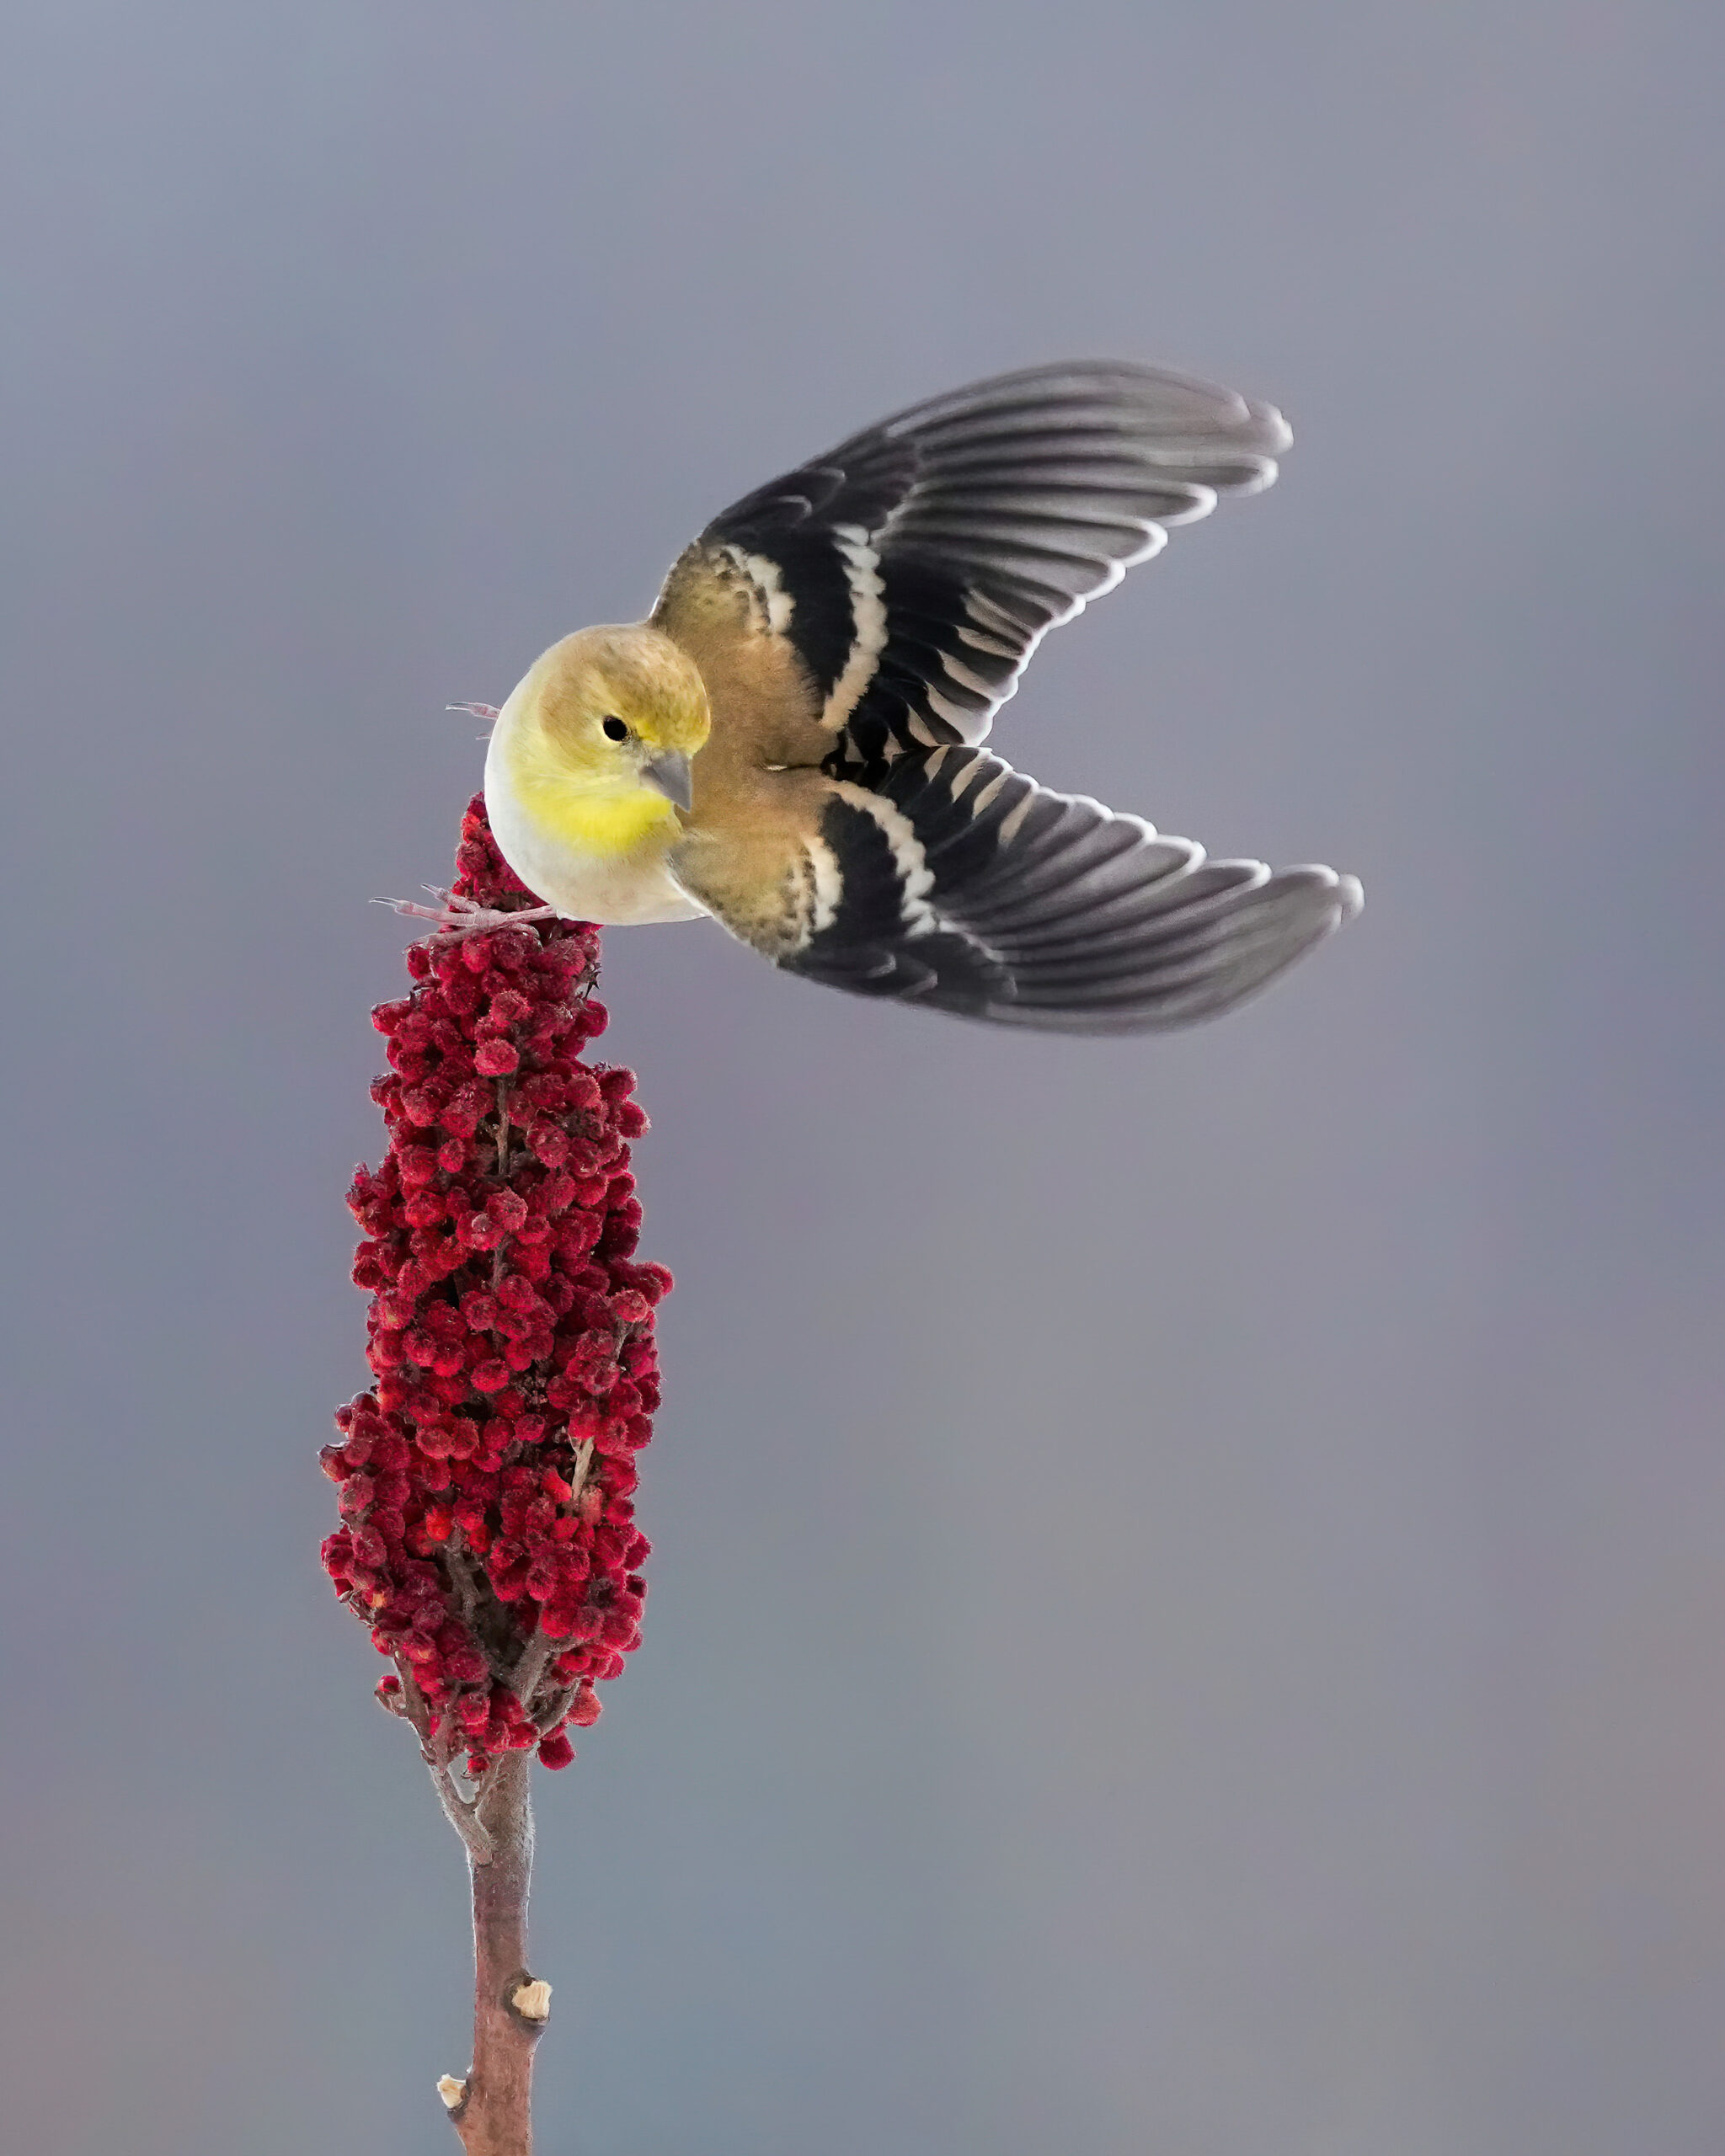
[1188,1608]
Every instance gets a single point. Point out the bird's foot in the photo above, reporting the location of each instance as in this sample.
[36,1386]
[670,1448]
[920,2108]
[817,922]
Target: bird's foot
[475,711]
[455,917]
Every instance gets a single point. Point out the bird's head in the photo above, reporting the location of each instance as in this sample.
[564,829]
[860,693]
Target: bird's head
[612,716]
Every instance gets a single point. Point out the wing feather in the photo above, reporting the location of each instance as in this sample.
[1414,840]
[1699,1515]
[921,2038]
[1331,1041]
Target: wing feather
[915,568]
[964,885]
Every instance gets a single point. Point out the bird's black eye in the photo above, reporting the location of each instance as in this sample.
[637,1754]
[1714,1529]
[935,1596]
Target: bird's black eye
[614,729]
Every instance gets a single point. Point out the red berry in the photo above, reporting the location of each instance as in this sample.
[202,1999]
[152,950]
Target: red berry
[508,1325]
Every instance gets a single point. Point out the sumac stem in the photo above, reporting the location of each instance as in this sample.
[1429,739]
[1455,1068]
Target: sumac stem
[494,2115]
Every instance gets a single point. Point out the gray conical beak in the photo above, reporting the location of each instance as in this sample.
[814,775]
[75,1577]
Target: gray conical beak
[669,773]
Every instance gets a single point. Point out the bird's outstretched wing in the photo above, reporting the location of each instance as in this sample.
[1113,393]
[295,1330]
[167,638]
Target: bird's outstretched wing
[948,878]
[913,569]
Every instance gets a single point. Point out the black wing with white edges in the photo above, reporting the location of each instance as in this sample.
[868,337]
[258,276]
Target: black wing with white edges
[959,884]
[915,567]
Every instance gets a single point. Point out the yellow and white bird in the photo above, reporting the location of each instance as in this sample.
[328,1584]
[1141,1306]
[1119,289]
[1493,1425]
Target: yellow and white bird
[792,741]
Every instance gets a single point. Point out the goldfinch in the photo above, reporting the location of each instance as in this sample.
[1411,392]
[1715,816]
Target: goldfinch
[792,742]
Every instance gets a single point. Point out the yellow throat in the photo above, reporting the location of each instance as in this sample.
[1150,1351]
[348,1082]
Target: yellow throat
[606,825]
[596,736]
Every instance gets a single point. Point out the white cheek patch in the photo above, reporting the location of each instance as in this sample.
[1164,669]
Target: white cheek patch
[867,613]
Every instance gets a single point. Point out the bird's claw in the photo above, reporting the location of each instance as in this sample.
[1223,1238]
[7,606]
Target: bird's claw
[455,917]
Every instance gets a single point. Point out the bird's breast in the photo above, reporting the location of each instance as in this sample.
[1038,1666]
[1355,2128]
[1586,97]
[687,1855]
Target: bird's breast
[593,858]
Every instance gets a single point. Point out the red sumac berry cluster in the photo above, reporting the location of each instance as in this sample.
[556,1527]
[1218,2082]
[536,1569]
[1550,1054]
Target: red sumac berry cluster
[487,1478]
